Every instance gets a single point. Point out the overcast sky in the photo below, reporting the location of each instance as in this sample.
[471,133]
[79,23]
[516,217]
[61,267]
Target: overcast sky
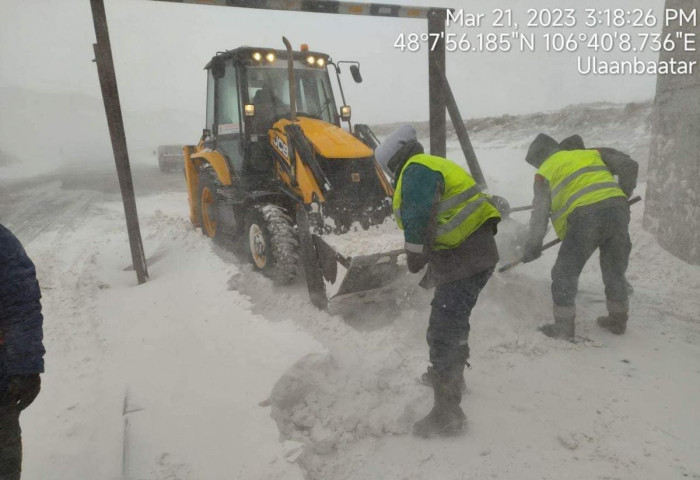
[161,48]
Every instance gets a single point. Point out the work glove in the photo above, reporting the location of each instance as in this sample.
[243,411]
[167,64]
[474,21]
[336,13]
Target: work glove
[531,252]
[501,204]
[23,389]
[416,261]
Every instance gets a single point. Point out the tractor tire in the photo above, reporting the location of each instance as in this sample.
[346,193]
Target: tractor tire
[273,246]
[207,200]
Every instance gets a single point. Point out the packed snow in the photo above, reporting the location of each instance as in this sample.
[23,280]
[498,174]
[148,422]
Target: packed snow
[384,237]
[209,371]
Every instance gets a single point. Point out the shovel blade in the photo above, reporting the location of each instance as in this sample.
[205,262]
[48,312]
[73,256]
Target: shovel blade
[370,273]
[510,240]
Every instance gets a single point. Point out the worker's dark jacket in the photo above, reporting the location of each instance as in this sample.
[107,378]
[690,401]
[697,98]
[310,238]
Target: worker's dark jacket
[422,188]
[21,348]
[619,164]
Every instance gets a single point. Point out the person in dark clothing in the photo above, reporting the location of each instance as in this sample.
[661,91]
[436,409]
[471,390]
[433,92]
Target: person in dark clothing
[264,109]
[449,225]
[21,347]
[575,187]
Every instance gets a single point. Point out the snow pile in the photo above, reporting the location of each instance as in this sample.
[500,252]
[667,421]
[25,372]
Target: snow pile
[376,239]
[310,408]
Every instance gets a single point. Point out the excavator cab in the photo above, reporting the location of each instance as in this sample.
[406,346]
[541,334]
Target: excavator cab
[275,169]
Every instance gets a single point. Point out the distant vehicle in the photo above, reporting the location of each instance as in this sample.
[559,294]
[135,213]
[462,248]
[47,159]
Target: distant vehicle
[170,158]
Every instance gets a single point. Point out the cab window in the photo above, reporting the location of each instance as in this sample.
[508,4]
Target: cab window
[228,123]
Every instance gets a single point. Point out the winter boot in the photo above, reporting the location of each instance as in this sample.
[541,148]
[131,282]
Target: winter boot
[563,327]
[447,417]
[426,380]
[616,320]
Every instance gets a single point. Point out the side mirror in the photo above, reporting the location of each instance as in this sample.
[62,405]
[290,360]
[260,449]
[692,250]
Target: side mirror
[345,112]
[355,71]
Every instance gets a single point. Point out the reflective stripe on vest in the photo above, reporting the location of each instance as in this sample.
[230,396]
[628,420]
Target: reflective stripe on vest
[462,208]
[461,216]
[576,178]
[575,175]
[452,202]
[579,194]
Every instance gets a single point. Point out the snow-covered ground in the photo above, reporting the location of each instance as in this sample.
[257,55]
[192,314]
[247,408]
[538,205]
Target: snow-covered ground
[208,371]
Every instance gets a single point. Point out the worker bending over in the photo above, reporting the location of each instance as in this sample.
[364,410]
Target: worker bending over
[575,187]
[448,224]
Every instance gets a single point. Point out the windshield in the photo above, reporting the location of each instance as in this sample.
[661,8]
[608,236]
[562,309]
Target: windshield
[268,90]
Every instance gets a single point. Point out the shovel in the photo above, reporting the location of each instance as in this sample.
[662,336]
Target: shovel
[556,241]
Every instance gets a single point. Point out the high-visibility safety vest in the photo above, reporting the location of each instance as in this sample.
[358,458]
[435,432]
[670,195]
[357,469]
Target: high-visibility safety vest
[576,178]
[462,208]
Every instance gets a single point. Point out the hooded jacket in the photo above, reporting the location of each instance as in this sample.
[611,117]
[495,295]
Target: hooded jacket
[544,147]
[620,164]
[422,189]
[21,347]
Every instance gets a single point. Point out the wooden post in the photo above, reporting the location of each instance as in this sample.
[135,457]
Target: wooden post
[110,96]
[462,135]
[436,70]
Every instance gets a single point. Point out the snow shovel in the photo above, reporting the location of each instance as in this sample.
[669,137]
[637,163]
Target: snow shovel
[556,241]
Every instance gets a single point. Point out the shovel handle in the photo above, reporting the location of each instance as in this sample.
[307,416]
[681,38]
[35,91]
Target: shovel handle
[521,209]
[510,265]
[556,241]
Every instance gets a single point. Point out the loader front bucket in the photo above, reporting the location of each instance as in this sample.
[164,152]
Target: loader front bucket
[363,278]
[369,277]
[366,278]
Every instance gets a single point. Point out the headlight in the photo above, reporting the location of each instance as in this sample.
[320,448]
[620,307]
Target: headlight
[257,56]
[270,57]
[310,59]
[321,62]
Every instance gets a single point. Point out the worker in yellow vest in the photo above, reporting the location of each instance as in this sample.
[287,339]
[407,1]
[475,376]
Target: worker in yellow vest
[577,190]
[449,224]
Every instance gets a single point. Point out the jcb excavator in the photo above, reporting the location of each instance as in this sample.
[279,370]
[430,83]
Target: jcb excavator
[275,170]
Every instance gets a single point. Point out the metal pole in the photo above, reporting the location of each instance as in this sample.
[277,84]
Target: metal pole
[436,69]
[292,81]
[110,96]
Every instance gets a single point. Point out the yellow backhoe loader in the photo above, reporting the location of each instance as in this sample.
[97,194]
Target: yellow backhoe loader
[275,170]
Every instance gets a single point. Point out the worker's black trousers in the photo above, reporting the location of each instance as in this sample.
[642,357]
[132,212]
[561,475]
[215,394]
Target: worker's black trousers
[448,330]
[590,228]
[10,440]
